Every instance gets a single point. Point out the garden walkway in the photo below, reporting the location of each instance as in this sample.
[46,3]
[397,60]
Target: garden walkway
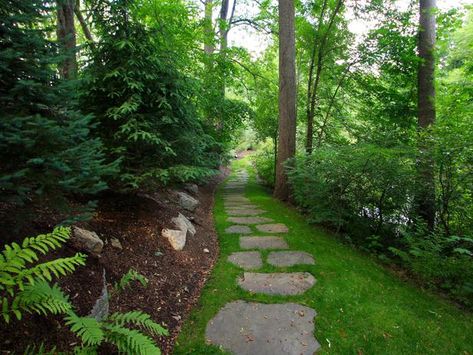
[245,327]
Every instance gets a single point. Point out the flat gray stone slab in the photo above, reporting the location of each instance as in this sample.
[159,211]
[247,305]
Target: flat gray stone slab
[273,228]
[285,284]
[241,206]
[244,212]
[244,328]
[238,230]
[249,220]
[236,200]
[246,259]
[290,258]
[263,243]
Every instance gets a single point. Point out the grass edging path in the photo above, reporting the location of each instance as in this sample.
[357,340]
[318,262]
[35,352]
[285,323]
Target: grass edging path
[362,308]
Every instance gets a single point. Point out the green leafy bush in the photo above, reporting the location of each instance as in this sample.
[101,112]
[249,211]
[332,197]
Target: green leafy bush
[368,193]
[360,185]
[440,260]
[143,104]
[263,161]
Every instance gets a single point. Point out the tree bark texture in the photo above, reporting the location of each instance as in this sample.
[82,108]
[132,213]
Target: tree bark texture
[66,35]
[83,23]
[208,28]
[287,96]
[426,110]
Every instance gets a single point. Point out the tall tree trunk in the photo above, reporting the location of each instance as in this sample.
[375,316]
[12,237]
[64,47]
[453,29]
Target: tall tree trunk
[66,34]
[426,108]
[83,23]
[287,96]
[223,25]
[224,28]
[208,28]
[313,85]
[310,83]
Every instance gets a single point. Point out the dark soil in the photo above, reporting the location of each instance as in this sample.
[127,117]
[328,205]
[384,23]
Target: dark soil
[175,277]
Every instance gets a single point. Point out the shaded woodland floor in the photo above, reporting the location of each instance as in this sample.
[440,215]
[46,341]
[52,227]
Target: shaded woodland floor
[175,277]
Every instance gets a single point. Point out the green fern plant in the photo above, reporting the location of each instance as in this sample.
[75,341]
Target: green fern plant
[116,330]
[130,332]
[24,286]
[127,278]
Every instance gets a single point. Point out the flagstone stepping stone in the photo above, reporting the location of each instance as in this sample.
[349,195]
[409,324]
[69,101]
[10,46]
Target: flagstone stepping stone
[236,199]
[249,220]
[245,328]
[244,212]
[263,243]
[246,259]
[272,228]
[238,230]
[240,206]
[285,284]
[290,258]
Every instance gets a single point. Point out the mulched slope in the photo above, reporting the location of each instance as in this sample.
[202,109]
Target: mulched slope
[175,277]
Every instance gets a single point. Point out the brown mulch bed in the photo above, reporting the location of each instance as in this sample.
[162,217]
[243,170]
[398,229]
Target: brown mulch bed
[175,277]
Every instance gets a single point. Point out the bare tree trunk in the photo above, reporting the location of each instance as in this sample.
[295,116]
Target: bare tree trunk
[83,23]
[287,96]
[426,107]
[66,34]
[313,85]
[208,28]
[223,25]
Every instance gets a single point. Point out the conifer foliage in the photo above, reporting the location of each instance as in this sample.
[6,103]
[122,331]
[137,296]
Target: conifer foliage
[45,147]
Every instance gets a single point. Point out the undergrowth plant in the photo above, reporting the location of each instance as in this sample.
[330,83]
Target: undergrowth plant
[25,288]
[129,331]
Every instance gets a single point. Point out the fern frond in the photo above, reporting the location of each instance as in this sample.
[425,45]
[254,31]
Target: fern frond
[14,258]
[46,271]
[15,254]
[130,341]
[42,298]
[140,319]
[127,278]
[87,328]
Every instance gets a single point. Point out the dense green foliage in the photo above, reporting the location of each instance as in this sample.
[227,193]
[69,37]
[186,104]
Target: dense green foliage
[141,101]
[143,112]
[361,178]
[46,148]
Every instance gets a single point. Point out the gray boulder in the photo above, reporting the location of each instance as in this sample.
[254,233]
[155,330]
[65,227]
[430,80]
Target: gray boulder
[83,239]
[192,188]
[182,223]
[102,305]
[187,202]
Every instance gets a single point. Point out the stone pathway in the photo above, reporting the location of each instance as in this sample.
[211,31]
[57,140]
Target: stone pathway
[254,328]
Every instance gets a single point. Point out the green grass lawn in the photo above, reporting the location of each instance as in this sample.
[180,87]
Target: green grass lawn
[362,307]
